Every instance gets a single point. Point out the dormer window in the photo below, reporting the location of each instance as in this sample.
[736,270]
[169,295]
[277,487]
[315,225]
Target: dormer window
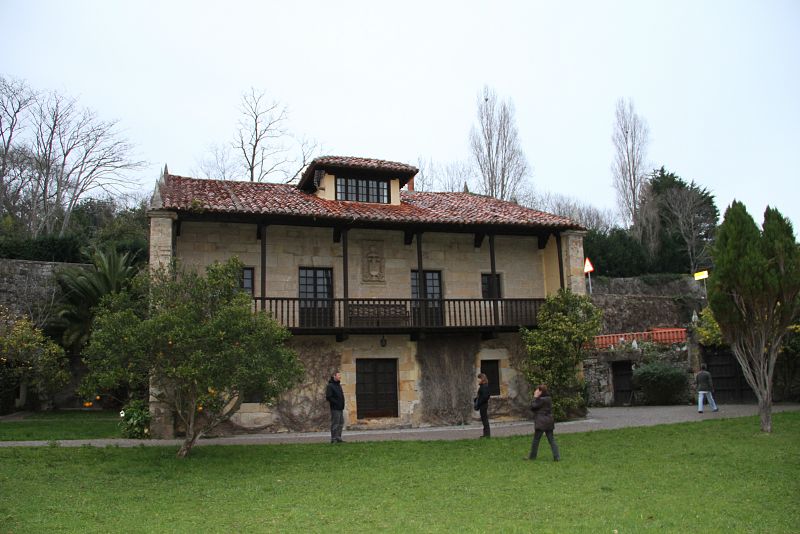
[362,189]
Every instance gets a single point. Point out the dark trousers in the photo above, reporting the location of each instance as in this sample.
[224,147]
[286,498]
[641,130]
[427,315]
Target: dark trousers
[337,424]
[537,435]
[485,420]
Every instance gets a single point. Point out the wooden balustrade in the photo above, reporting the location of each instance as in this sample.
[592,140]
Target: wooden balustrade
[400,314]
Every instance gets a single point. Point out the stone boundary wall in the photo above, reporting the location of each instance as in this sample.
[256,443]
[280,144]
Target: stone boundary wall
[29,287]
[640,304]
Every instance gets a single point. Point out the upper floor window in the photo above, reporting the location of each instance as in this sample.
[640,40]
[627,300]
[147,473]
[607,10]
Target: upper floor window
[362,190]
[489,290]
[247,280]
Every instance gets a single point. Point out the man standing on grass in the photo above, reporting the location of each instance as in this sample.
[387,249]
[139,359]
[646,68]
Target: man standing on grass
[335,396]
[705,387]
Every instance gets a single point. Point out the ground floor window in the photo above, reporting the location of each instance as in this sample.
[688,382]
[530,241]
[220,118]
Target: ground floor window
[376,388]
[491,368]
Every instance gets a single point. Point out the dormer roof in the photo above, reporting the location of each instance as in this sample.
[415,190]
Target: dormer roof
[378,168]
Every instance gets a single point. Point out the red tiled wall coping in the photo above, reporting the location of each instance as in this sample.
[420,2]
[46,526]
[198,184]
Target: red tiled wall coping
[666,336]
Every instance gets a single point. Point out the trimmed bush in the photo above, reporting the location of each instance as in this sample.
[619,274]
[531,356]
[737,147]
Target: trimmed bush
[49,248]
[661,383]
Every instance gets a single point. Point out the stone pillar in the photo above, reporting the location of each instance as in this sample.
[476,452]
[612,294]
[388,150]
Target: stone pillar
[162,422]
[161,236]
[572,253]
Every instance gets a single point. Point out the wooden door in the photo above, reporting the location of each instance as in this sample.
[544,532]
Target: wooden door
[376,388]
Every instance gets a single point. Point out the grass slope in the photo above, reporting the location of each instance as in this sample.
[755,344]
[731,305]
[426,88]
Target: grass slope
[710,476]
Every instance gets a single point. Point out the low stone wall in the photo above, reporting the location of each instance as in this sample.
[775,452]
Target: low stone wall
[598,373]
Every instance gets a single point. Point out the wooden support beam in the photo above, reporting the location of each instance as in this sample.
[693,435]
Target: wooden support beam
[543,241]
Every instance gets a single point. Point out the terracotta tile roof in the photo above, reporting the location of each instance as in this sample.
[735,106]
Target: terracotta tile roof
[402,170]
[252,198]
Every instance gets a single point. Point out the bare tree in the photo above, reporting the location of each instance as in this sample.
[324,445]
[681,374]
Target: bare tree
[689,210]
[218,164]
[54,154]
[449,177]
[75,154]
[584,214]
[647,227]
[15,99]
[261,140]
[496,150]
[630,137]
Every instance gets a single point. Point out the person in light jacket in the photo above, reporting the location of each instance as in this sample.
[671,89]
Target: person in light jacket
[482,404]
[543,422]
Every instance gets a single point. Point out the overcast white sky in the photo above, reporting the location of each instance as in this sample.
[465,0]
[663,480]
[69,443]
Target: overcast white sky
[717,81]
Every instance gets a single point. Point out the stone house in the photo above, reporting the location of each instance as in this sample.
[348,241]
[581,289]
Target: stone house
[409,294]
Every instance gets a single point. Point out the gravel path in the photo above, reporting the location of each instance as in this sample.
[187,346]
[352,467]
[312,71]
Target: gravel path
[597,419]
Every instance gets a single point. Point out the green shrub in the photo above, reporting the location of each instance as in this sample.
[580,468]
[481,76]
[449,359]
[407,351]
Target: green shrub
[567,322]
[135,422]
[661,383]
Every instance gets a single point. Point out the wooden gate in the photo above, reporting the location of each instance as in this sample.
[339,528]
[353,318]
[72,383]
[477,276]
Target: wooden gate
[729,382]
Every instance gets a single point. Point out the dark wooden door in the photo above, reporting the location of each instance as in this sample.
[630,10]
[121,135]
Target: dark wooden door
[376,388]
[729,382]
[622,377]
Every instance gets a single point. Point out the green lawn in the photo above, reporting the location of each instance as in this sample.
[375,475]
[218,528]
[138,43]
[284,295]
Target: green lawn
[710,476]
[61,425]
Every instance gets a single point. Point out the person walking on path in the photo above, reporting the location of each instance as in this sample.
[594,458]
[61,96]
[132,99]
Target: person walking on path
[705,388]
[543,422]
[335,396]
[482,404]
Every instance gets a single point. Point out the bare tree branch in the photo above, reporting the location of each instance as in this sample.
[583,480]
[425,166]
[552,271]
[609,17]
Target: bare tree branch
[450,177]
[584,214]
[496,148]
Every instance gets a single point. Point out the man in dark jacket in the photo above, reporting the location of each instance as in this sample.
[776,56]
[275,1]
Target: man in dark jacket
[705,388]
[335,397]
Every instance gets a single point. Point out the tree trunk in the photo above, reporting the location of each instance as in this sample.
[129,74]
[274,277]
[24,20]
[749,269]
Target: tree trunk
[187,445]
[765,413]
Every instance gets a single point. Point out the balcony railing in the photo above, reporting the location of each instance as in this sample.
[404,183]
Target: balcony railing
[400,315]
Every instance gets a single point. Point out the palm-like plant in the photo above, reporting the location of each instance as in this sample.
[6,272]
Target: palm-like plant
[82,290]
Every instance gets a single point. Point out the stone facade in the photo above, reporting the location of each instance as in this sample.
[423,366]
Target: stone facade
[380,263]
[522,266]
[514,392]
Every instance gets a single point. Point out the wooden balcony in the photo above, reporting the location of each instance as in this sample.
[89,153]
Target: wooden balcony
[385,316]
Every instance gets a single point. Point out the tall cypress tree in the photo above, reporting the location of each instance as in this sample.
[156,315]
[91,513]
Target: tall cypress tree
[755,294]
